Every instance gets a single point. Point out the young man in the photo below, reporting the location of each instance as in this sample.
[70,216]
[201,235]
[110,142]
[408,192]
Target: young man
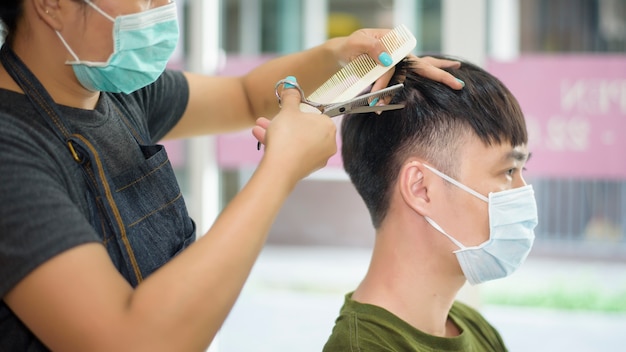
[442,180]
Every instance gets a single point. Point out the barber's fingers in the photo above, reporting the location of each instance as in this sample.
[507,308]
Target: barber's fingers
[374,47]
[428,67]
[260,129]
[290,100]
[431,68]
[440,63]
[290,97]
[383,81]
[365,41]
[300,142]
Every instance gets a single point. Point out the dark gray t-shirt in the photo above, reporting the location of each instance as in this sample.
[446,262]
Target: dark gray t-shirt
[43,209]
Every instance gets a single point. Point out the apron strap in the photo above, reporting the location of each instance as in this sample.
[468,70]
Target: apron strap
[37,94]
[80,148]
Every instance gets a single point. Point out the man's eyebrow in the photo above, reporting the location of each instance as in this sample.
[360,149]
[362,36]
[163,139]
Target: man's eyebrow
[518,156]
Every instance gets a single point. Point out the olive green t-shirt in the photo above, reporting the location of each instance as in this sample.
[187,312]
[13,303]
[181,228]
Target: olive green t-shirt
[365,327]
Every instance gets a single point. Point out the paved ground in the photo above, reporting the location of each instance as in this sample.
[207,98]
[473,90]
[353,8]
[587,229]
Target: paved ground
[294,293]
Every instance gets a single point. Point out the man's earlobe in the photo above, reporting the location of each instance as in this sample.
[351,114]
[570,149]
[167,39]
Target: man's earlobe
[413,188]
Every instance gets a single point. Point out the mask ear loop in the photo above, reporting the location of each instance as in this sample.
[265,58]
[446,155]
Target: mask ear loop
[67,46]
[438,228]
[457,183]
[99,10]
[461,186]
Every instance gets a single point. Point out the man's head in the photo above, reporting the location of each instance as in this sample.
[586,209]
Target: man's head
[435,127]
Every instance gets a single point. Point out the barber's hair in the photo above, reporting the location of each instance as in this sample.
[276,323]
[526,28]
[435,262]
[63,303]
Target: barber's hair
[434,124]
[10,12]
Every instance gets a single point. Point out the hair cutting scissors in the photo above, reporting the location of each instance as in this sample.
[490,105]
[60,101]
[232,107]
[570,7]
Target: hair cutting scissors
[365,103]
[361,104]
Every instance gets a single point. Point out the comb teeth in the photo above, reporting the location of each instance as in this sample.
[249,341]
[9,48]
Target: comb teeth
[361,72]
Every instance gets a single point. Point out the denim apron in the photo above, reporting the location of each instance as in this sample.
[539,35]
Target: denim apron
[140,215]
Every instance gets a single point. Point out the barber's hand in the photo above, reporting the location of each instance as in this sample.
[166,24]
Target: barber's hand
[297,142]
[367,41]
[428,67]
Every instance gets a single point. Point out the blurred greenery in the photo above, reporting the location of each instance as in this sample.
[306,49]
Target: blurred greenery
[583,295]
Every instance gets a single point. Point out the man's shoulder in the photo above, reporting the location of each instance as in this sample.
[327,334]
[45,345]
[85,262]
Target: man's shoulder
[470,320]
[467,312]
[464,308]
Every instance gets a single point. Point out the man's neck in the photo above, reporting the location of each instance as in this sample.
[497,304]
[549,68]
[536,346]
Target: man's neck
[412,283]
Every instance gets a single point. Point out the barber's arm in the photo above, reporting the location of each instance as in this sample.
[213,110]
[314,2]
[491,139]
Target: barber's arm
[223,104]
[78,301]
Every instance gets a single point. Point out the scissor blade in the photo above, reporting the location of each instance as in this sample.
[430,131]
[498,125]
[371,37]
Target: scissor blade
[360,102]
[366,109]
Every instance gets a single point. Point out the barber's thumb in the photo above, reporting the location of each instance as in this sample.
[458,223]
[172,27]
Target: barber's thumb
[290,97]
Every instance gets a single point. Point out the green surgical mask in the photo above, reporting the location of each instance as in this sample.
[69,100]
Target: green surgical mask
[143,44]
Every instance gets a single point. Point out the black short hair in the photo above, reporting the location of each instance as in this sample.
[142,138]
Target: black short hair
[433,125]
[10,12]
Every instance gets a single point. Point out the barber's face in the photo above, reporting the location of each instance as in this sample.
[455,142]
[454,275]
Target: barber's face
[89,33]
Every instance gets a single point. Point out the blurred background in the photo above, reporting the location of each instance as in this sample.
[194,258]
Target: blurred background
[565,61]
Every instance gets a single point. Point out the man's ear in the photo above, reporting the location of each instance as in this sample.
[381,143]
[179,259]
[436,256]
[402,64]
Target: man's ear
[49,11]
[413,187]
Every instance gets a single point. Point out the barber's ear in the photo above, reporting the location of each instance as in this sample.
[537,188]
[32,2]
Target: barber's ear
[413,187]
[49,11]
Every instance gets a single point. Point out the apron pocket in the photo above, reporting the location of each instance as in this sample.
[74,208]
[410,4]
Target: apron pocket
[153,210]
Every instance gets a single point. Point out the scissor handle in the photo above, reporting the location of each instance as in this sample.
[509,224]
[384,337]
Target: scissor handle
[303,99]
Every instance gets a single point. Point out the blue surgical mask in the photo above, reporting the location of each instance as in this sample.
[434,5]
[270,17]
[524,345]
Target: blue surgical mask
[143,44]
[512,219]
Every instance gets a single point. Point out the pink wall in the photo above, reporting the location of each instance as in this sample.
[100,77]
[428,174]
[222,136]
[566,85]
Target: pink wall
[575,107]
